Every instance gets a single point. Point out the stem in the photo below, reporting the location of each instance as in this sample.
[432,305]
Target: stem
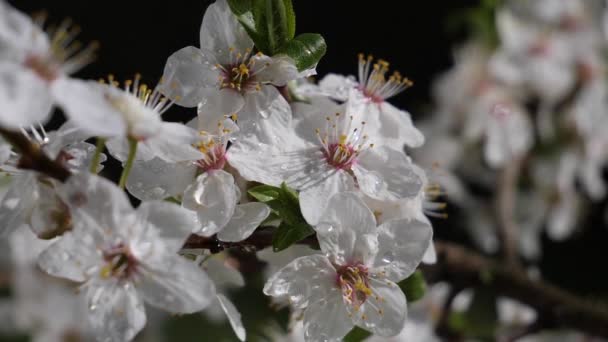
[99,147]
[129,164]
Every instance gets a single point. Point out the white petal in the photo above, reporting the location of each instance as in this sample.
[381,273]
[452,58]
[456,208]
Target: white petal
[187,73]
[384,317]
[305,279]
[49,216]
[234,317]
[401,245]
[70,257]
[216,104]
[116,313]
[98,198]
[220,31]
[396,127]
[256,161]
[327,320]
[173,143]
[223,274]
[430,256]
[157,179]
[314,199]
[18,202]
[337,86]
[177,286]
[213,196]
[386,174]
[26,98]
[174,223]
[247,217]
[85,103]
[279,71]
[267,115]
[19,34]
[347,229]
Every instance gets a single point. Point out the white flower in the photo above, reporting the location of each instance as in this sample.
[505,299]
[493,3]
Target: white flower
[333,155]
[225,277]
[203,187]
[34,71]
[32,198]
[124,257]
[354,281]
[139,110]
[384,119]
[225,77]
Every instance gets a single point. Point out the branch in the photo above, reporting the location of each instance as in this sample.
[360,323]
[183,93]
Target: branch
[259,240]
[555,307]
[33,158]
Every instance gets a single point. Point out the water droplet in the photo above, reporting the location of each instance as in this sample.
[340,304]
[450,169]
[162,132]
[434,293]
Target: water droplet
[65,256]
[388,257]
[325,228]
[92,307]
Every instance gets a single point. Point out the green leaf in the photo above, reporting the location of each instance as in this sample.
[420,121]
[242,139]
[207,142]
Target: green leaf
[357,335]
[288,234]
[306,50]
[414,287]
[264,193]
[275,24]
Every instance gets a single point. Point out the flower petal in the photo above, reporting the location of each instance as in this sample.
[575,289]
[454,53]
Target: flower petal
[174,223]
[97,198]
[173,143]
[70,257]
[26,98]
[247,217]
[314,199]
[86,105]
[304,280]
[327,320]
[337,86]
[234,317]
[19,34]
[177,286]
[187,73]
[116,313]
[396,127]
[18,202]
[216,104]
[221,31]
[401,245]
[386,174]
[267,115]
[385,311]
[347,229]
[213,196]
[157,179]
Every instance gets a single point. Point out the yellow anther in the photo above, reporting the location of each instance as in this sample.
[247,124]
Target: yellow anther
[234,117]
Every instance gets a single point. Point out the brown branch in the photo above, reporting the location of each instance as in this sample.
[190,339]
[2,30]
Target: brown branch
[508,229]
[555,307]
[33,158]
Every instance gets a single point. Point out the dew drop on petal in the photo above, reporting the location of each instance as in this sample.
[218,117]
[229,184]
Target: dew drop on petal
[388,257]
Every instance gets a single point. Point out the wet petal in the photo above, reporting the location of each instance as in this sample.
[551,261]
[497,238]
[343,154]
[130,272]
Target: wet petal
[157,179]
[234,316]
[247,217]
[327,319]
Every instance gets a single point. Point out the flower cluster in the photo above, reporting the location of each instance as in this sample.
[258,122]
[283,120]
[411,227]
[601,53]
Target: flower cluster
[530,101]
[268,151]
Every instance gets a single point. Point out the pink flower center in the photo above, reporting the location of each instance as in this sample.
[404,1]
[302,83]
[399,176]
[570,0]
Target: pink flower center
[215,157]
[374,82]
[340,155]
[353,280]
[120,263]
[240,73]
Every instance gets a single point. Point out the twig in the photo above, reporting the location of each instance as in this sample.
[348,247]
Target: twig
[33,158]
[555,307]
